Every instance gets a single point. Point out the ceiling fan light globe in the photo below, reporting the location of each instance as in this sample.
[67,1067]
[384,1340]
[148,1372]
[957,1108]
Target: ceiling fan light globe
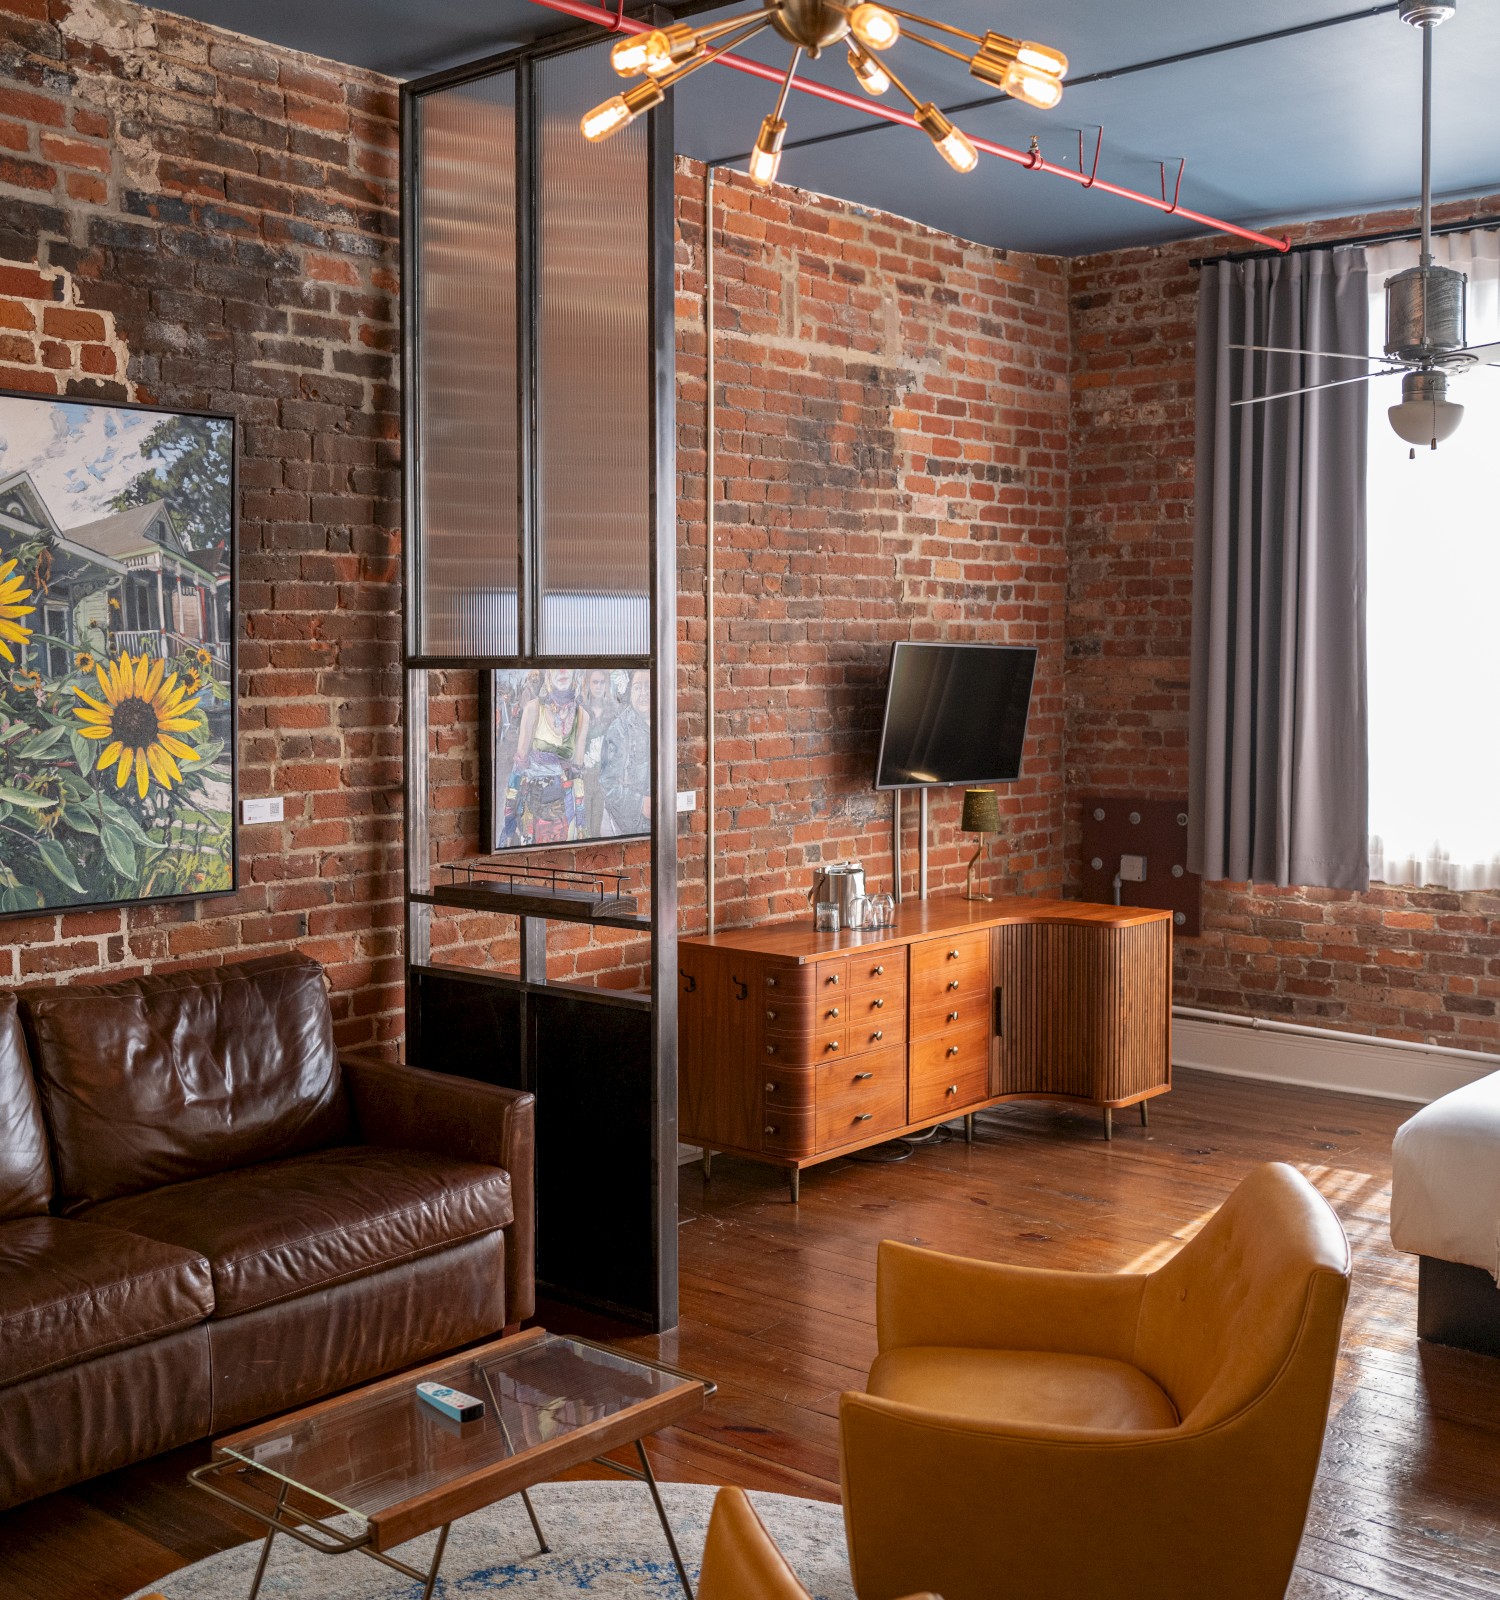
[1425,421]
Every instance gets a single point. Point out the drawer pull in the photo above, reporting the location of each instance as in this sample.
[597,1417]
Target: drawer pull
[771,1016]
[859,1077]
[878,972]
[879,1005]
[953,1016]
[952,1049]
[953,955]
[953,983]
[952,1088]
[864,1116]
[770,983]
[770,1088]
[772,1128]
[834,1011]
[832,1044]
[879,1033]
[770,1049]
[833,977]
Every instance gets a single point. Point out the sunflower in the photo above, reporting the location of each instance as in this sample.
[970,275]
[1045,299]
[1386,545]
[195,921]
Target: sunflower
[141,717]
[194,679]
[203,658]
[13,591]
[84,661]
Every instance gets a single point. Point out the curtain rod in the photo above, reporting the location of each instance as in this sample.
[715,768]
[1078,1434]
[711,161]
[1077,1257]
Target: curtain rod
[1484,224]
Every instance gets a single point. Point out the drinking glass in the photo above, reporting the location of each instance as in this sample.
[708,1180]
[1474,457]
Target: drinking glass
[826,917]
[882,911]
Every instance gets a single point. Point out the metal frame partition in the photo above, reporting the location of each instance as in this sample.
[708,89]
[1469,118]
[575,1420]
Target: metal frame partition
[602,1063]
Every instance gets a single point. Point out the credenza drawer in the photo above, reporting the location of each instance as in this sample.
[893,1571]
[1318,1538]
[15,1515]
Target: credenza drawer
[806,1049]
[884,970]
[861,1097]
[954,1013]
[949,970]
[948,1073]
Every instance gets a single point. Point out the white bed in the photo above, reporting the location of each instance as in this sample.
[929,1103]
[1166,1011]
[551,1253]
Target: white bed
[1445,1178]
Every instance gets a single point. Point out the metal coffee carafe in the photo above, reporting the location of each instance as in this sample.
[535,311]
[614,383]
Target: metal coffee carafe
[839,884]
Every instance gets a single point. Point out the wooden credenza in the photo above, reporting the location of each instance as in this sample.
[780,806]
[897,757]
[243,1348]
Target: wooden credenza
[796,1046]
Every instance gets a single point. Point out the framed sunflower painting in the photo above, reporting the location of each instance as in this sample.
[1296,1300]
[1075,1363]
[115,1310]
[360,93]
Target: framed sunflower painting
[117,658]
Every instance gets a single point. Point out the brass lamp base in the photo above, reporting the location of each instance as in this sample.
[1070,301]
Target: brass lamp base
[969,880]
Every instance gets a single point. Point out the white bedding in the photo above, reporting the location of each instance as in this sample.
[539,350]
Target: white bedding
[1445,1184]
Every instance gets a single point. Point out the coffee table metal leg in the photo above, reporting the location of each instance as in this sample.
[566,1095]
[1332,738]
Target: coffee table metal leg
[661,1512]
[536,1527]
[265,1549]
[437,1561]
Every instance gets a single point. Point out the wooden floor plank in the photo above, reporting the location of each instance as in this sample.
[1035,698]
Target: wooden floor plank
[778,1306]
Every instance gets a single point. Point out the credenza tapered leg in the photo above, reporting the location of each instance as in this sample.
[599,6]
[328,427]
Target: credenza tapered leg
[794,1183]
[1109,1122]
[708,1165]
[969,1128]
[1145,1116]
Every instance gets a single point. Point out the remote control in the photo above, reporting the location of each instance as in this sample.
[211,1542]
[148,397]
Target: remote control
[451,1403]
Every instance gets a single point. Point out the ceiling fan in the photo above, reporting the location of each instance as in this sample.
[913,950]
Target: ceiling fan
[1425,331]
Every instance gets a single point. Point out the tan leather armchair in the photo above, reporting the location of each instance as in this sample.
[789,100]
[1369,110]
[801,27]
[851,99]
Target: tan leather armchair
[1080,1436]
[740,1559]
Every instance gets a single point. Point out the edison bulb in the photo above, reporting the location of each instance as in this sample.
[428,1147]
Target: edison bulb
[874,26]
[1043,57]
[614,113]
[766,157]
[645,52]
[873,78]
[952,145]
[1039,89]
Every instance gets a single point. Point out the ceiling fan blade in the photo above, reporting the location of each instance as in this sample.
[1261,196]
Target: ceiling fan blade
[1312,388]
[1482,352]
[1295,350]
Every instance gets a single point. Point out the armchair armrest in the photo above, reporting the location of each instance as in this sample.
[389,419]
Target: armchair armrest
[471,1121]
[926,1298]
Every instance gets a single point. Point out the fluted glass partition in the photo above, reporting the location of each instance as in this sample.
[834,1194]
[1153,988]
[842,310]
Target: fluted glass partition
[467,431]
[594,369]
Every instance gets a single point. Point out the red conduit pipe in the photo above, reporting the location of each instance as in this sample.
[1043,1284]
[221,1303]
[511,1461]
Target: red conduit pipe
[839,97]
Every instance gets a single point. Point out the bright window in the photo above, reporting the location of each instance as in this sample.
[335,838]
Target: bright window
[1434,608]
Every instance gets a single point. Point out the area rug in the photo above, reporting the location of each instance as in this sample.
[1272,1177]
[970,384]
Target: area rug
[606,1543]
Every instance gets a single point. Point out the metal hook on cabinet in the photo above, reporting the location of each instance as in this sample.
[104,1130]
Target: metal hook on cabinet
[744,988]
[692,982]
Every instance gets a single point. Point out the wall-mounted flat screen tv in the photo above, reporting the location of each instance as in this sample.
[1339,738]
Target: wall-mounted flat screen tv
[954,713]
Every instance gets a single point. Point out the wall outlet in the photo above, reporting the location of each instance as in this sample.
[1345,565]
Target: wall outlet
[1132,869]
[268,810]
[687,800]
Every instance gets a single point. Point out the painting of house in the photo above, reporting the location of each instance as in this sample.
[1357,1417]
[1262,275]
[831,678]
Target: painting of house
[116,654]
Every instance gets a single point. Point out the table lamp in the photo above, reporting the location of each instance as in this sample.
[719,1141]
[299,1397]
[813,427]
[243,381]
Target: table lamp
[981,816]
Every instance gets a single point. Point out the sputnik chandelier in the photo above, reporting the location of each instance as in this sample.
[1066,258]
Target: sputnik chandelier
[665,56]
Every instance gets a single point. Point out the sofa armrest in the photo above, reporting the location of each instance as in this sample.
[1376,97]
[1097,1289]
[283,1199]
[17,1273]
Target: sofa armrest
[926,1298]
[470,1121]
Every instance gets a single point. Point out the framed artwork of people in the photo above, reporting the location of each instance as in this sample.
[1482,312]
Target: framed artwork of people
[569,756]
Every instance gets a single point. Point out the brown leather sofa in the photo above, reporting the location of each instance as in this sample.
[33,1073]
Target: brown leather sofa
[207,1217]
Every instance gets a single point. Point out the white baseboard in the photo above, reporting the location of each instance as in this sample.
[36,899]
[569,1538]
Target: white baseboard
[1352,1064]
[687,1153]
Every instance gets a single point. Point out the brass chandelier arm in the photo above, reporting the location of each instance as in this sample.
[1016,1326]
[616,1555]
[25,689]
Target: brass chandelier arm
[932,44]
[931,22]
[713,30]
[671,79]
[786,83]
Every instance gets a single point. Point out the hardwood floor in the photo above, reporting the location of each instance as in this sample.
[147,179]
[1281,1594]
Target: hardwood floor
[778,1307]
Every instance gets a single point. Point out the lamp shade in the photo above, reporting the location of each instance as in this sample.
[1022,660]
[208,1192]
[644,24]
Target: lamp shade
[981,811]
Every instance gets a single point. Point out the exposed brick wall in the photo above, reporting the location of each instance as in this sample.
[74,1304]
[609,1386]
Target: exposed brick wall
[1415,964]
[892,464]
[190,220]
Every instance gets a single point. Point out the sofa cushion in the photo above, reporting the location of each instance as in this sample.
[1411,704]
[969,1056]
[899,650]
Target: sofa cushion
[282,1229]
[1023,1388]
[25,1168]
[162,1079]
[70,1290]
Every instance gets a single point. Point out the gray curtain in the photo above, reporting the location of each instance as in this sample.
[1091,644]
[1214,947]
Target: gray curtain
[1277,750]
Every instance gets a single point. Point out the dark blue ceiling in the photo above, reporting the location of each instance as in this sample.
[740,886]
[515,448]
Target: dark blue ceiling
[1323,123]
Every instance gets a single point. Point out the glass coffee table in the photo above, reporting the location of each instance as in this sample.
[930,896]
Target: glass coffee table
[368,1470]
